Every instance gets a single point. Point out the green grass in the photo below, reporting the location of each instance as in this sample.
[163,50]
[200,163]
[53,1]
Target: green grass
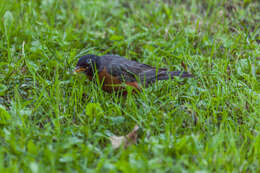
[52,120]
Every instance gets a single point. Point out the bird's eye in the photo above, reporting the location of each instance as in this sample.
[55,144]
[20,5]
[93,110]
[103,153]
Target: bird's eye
[88,61]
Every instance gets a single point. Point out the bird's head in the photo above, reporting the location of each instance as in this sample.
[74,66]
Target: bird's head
[88,64]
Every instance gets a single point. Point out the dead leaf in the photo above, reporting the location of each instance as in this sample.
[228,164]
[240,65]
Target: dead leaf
[117,141]
[127,140]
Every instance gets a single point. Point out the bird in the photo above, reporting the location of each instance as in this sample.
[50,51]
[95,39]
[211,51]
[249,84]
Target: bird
[115,72]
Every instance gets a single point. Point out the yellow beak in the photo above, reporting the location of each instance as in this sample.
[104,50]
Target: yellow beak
[79,69]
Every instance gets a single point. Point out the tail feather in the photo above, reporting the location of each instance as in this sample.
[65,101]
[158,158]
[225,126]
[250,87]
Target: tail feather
[150,77]
[182,74]
[171,74]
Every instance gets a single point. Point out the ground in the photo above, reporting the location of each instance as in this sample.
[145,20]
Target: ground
[55,121]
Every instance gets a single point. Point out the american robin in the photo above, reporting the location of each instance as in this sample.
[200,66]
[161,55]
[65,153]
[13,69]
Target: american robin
[114,71]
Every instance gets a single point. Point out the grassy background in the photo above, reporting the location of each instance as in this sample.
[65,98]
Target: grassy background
[52,120]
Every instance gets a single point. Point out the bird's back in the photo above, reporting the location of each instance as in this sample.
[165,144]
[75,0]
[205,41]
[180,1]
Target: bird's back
[129,71]
[135,67]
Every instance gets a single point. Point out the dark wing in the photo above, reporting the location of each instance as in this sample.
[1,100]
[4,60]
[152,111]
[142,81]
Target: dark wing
[134,65]
[122,72]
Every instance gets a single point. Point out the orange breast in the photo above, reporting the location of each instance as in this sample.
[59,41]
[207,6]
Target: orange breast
[110,83]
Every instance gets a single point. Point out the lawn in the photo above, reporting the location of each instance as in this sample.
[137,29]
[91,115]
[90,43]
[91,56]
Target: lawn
[52,120]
